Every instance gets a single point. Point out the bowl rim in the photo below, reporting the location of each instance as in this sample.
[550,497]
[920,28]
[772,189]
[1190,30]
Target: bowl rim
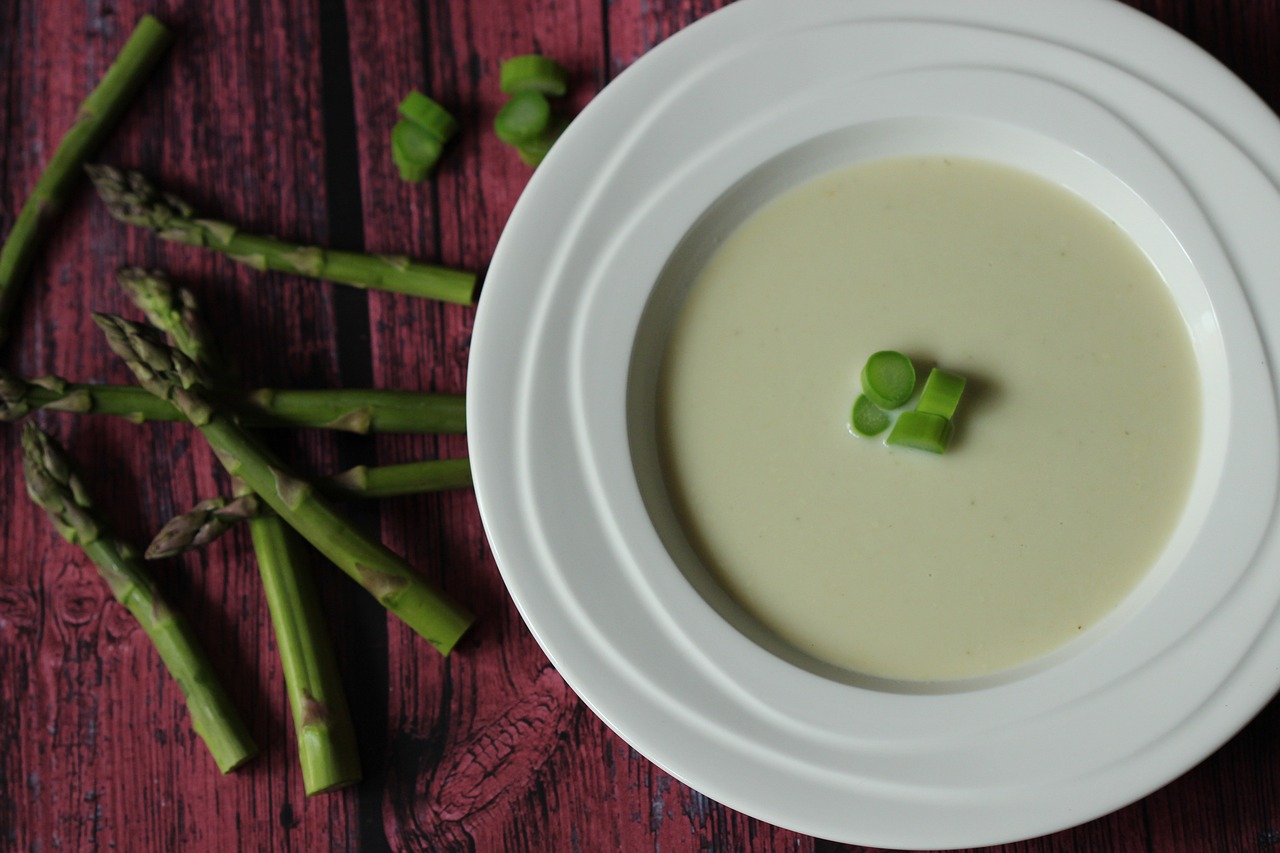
[532,350]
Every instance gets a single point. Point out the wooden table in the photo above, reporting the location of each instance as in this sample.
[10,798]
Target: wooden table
[276,115]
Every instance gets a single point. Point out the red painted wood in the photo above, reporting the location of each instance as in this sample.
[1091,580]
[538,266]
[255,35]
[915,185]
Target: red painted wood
[487,750]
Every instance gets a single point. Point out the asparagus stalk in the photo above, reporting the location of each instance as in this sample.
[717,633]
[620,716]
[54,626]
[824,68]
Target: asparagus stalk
[408,478]
[54,485]
[99,113]
[327,747]
[350,410]
[133,199]
[211,518]
[169,374]
[321,720]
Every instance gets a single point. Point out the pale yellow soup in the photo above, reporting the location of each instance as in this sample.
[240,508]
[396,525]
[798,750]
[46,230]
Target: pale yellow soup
[1074,446]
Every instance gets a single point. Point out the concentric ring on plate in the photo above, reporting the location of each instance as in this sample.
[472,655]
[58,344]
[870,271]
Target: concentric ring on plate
[557,401]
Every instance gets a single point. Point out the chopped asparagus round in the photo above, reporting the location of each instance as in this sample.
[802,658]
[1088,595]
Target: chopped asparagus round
[523,118]
[429,116]
[888,379]
[868,419]
[535,150]
[414,150]
[533,73]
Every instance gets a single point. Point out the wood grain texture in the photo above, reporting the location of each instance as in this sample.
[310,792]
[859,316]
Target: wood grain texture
[276,114]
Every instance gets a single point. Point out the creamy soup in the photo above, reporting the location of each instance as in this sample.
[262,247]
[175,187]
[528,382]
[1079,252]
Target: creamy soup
[1074,446]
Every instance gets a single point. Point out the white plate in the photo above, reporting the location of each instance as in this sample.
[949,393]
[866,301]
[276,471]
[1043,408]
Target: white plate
[688,141]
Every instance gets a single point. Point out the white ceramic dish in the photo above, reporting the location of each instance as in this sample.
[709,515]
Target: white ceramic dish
[696,135]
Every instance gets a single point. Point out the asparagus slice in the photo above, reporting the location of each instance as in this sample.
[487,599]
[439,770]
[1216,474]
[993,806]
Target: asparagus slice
[54,485]
[321,720]
[99,113]
[211,518]
[169,374]
[350,410]
[132,199]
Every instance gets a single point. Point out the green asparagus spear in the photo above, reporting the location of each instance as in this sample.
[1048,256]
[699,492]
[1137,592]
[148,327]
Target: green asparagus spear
[211,518]
[54,485]
[171,375]
[132,199]
[322,722]
[351,410]
[327,747]
[98,115]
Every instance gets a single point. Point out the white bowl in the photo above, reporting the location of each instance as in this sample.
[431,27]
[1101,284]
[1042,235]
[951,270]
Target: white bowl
[573,319]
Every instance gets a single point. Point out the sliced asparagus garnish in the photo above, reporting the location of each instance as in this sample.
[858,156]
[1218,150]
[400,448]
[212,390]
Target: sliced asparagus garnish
[133,199]
[54,484]
[171,375]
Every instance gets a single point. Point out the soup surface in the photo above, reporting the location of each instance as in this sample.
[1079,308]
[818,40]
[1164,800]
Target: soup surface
[1075,441]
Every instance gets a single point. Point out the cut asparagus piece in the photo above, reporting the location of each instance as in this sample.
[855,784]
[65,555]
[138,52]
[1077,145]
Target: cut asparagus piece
[523,118]
[98,115]
[133,199]
[418,140]
[171,375]
[941,393]
[414,151]
[921,431]
[867,418]
[534,151]
[54,484]
[211,518]
[429,115]
[350,410]
[533,72]
[888,379]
